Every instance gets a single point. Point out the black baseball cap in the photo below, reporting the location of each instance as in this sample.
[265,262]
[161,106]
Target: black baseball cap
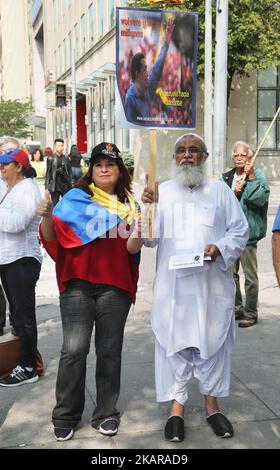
[105,149]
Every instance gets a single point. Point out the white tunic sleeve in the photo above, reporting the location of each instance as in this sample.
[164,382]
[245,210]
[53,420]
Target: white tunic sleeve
[237,231]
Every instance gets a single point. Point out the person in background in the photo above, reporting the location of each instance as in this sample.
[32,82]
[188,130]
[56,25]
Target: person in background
[48,152]
[6,142]
[200,231]
[75,158]
[39,164]
[250,186]
[97,280]
[20,258]
[59,174]
[26,149]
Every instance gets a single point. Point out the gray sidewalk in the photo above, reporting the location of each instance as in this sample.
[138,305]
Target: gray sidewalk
[253,406]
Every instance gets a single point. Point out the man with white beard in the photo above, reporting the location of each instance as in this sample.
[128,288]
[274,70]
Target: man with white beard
[193,308]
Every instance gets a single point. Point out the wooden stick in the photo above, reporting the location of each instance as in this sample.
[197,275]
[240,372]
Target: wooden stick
[266,134]
[152,177]
[262,142]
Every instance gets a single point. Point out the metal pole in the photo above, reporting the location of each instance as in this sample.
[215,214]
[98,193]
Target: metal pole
[208,85]
[74,113]
[220,94]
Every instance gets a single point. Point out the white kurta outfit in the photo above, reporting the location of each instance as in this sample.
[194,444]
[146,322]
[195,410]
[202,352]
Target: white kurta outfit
[193,308]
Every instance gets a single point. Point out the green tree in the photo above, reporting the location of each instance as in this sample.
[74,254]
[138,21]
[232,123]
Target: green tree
[13,116]
[253,33]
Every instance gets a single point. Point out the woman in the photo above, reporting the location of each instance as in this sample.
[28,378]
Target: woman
[97,278]
[20,258]
[39,164]
[75,162]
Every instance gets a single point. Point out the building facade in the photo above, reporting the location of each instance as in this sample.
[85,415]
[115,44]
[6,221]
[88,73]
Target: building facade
[48,33]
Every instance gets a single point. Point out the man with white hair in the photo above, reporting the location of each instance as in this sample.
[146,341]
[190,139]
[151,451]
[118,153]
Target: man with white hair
[7,142]
[251,188]
[200,231]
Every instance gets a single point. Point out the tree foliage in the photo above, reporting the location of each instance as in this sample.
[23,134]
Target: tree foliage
[13,116]
[253,32]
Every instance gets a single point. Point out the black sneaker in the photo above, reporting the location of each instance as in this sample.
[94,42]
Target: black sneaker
[63,434]
[19,376]
[109,427]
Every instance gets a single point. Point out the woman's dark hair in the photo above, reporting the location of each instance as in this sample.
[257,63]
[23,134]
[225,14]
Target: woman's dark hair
[41,155]
[28,172]
[74,151]
[123,183]
[136,64]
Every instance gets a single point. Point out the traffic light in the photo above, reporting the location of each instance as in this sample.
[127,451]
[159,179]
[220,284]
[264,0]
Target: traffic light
[60,95]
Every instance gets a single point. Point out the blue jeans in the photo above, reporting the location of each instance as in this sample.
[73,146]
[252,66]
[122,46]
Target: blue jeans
[82,305]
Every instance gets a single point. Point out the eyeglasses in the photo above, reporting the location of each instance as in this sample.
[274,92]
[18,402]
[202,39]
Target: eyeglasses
[234,155]
[190,150]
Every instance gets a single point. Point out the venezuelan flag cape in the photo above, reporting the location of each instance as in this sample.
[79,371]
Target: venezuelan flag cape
[80,218]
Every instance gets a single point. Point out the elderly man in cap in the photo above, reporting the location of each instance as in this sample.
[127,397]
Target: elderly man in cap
[251,188]
[200,230]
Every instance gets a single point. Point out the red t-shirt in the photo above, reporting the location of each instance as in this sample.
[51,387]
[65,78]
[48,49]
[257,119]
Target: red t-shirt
[103,261]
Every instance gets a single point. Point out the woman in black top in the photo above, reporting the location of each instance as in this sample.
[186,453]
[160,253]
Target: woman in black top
[75,161]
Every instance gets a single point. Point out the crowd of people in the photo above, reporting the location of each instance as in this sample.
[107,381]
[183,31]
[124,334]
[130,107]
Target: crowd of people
[92,227]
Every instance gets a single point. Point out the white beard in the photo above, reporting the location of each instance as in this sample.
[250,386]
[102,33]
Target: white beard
[188,175]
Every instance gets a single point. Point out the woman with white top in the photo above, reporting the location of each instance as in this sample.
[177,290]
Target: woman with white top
[20,257]
[39,164]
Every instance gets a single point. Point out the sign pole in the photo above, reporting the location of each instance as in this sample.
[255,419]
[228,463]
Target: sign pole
[152,164]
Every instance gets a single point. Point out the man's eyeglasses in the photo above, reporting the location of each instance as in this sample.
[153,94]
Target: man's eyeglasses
[234,155]
[190,150]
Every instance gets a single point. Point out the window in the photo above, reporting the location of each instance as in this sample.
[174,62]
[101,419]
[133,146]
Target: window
[83,34]
[65,64]
[77,40]
[91,23]
[58,60]
[70,48]
[100,12]
[112,13]
[55,13]
[268,103]
[55,64]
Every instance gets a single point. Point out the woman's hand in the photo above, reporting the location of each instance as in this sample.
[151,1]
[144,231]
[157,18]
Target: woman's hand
[45,207]
[149,196]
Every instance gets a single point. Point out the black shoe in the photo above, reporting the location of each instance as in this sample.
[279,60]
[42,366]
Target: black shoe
[247,322]
[239,316]
[19,376]
[109,427]
[174,429]
[221,426]
[63,434]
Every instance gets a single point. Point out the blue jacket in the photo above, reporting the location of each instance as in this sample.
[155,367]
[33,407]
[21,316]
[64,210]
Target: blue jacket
[139,104]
